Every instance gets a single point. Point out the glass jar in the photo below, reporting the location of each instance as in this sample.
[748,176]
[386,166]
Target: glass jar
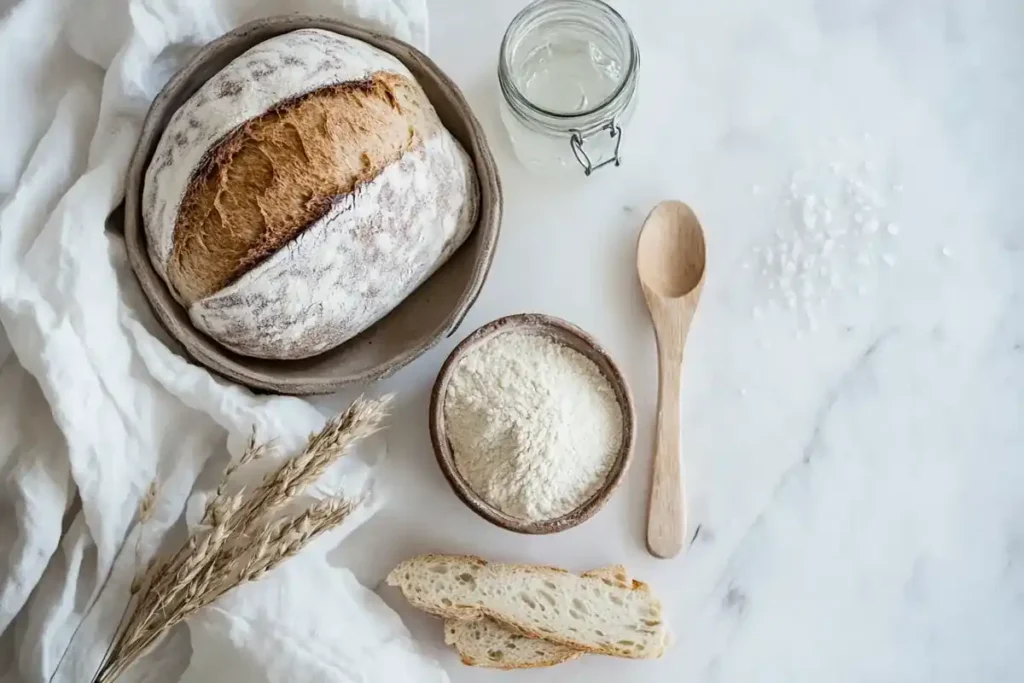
[568,73]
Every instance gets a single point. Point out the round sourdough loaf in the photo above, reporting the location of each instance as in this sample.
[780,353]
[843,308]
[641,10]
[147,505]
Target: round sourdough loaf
[301,193]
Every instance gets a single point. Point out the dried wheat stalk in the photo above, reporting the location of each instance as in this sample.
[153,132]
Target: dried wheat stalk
[243,536]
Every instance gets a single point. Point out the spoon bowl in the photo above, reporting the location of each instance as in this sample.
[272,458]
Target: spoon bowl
[670,254]
[670,260]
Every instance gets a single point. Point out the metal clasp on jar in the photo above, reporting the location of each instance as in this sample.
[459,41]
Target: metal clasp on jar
[578,138]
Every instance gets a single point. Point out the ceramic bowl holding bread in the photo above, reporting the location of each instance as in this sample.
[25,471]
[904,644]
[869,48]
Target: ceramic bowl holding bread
[310,205]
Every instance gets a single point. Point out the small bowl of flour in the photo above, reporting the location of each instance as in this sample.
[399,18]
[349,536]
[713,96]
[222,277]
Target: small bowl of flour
[532,423]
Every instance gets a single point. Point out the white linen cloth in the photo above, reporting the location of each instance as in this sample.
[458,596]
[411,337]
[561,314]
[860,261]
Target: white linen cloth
[94,405]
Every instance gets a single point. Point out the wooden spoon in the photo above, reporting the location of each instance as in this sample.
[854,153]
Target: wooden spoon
[670,262]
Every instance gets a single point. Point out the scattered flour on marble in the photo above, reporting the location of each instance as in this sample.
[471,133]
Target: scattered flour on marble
[534,426]
[837,234]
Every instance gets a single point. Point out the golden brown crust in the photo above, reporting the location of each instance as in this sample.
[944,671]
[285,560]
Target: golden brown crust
[270,179]
[641,586]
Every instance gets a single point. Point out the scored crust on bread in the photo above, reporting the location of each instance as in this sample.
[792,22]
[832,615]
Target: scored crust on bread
[279,173]
[587,613]
[260,80]
[345,272]
[486,643]
[302,193]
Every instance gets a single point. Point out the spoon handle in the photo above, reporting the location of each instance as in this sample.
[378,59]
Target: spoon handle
[666,521]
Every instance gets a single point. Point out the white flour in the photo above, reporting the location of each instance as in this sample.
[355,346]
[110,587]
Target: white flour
[534,425]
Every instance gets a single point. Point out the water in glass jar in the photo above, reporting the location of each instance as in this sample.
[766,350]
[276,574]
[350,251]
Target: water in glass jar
[567,74]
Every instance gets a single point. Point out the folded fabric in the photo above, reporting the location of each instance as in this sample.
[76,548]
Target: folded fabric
[94,403]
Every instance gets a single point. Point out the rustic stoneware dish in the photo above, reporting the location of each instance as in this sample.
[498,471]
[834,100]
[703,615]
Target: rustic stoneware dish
[429,314]
[573,337]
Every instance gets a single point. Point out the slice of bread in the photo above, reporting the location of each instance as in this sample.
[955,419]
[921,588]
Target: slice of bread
[486,643]
[587,613]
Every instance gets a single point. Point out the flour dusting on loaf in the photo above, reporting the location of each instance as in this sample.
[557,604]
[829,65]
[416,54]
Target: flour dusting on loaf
[302,193]
[346,262]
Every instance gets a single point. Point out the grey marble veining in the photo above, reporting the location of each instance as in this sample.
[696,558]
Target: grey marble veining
[857,487]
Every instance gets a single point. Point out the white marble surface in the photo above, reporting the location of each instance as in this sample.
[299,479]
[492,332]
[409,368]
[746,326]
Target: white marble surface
[860,487]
